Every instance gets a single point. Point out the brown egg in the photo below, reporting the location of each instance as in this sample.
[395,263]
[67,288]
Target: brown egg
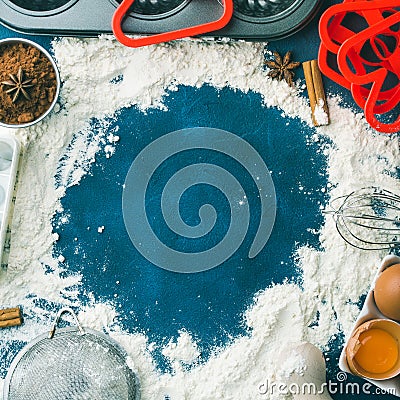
[387,292]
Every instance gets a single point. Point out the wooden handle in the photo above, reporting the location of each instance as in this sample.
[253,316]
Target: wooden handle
[316,93]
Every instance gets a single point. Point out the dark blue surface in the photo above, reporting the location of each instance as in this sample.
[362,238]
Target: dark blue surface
[208,304]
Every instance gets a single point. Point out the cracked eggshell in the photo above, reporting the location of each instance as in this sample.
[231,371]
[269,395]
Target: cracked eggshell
[353,345]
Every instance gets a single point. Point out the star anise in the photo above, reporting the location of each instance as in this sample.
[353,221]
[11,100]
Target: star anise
[18,85]
[282,68]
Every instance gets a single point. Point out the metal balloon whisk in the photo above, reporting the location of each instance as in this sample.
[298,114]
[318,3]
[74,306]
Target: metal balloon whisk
[368,218]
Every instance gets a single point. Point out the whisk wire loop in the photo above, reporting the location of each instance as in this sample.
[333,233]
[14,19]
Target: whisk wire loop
[368,218]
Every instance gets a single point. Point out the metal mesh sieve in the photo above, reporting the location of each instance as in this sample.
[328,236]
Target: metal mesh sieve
[71,364]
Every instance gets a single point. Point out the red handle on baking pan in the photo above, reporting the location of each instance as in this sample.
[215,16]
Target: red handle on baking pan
[123,10]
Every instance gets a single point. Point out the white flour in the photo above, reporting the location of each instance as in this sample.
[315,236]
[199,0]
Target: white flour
[321,117]
[333,279]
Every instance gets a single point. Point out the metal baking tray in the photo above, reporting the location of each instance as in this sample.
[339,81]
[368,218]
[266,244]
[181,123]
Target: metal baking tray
[252,19]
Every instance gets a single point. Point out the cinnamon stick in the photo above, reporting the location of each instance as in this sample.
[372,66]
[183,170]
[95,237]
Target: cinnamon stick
[10,323]
[10,317]
[316,93]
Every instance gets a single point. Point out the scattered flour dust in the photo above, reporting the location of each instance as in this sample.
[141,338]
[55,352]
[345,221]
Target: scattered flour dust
[333,278]
[320,115]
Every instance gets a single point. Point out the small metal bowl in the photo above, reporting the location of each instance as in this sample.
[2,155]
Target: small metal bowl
[58,79]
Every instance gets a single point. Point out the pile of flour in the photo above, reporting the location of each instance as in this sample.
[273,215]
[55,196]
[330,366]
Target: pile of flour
[333,278]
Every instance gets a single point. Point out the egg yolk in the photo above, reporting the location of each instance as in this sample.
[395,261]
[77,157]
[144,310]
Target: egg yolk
[378,352]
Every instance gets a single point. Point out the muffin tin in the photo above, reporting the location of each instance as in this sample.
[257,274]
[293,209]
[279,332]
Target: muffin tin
[369,312]
[9,158]
[252,20]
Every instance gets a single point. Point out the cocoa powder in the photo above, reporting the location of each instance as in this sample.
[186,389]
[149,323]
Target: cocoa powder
[35,66]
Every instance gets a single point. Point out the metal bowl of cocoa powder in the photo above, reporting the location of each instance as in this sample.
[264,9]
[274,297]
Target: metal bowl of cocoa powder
[29,83]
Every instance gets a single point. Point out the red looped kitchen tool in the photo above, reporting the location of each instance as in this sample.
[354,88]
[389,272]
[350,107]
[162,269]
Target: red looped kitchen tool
[333,33]
[389,64]
[123,10]
[380,17]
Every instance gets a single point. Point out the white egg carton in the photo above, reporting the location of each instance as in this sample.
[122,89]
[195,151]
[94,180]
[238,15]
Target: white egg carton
[368,312]
[9,160]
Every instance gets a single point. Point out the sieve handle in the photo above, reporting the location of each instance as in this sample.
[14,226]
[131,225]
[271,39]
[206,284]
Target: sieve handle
[65,310]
